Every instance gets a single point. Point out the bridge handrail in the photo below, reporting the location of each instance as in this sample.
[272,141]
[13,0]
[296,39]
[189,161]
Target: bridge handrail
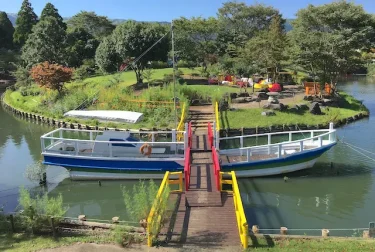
[217,116]
[243,227]
[190,135]
[187,168]
[210,135]
[216,164]
[154,218]
[180,126]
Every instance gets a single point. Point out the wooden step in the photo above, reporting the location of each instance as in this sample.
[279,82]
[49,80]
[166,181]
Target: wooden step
[200,121]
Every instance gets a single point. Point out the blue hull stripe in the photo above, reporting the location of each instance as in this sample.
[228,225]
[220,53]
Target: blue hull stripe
[296,158]
[113,164]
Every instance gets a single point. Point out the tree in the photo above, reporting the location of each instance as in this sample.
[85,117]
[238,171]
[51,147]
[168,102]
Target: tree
[80,46]
[50,11]
[329,38]
[6,31]
[196,39]
[240,22]
[267,49]
[46,43]
[26,19]
[106,56]
[51,76]
[132,39]
[98,26]
[147,75]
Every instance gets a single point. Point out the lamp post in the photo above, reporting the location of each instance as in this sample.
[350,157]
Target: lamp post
[174,78]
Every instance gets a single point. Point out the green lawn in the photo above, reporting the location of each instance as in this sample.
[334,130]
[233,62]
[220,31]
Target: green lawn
[251,118]
[26,242]
[113,92]
[318,245]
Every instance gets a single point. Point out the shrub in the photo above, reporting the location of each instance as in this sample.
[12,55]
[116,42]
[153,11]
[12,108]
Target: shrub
[34,172]
[158,64]
[83,72]
[138,202]
[371,69]
[187,64]
[124,237]
[37,211]
[51,76]
[23,77]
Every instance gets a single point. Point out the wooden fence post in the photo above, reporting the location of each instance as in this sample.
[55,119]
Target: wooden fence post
[366,234]
[283,231]
[325,232]
[53,227]
[255,229]
[12,222]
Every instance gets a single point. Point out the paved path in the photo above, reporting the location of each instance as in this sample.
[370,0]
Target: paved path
[91,247]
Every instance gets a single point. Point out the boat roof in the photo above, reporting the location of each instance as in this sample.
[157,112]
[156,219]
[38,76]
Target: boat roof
[107,115]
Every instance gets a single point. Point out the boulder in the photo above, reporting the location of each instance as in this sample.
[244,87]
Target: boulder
[250,99]
[268,113]
[239,100]
[294,108]
[243,94]
[233,95]
[262,96]
[303,106]
[315,109]
[280,106]
[308,98]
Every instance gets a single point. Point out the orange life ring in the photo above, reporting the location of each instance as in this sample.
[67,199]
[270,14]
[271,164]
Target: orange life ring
[149,149]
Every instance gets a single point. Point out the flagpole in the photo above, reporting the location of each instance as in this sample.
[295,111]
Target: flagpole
[174,79]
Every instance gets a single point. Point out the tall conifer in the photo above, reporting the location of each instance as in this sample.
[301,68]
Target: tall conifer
[26,19]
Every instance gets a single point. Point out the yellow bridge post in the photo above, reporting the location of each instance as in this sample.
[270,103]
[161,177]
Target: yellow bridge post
[155,216]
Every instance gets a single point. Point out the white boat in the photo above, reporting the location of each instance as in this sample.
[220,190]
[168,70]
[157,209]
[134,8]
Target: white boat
[115,154]
[273,153]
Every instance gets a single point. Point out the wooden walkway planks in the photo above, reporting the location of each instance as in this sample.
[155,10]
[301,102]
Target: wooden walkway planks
[204,216]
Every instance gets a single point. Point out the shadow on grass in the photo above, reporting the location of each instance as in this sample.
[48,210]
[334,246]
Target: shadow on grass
[224,120]
[266,242]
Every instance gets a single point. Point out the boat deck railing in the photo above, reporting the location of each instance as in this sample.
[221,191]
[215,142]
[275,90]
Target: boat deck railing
[275,147]
[83,143]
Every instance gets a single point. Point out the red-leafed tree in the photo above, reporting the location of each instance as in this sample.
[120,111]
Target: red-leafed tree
[51,76]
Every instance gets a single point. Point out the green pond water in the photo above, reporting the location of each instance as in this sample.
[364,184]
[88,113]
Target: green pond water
[338,197]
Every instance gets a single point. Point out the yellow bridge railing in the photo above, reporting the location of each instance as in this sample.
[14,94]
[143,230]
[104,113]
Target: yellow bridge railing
[181,124]
[217,116]
[158,209]
[243,227]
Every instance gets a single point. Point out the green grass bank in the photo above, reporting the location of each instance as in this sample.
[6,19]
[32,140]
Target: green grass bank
[252,118]
[117,92]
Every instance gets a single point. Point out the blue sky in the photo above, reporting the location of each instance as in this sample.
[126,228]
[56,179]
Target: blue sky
[160,10]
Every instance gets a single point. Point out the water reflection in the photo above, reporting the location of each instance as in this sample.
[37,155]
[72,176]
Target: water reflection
[100,202]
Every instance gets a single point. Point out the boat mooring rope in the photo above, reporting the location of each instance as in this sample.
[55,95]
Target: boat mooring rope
[356,149]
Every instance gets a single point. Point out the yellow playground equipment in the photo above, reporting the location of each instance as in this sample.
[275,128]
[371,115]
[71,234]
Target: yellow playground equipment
[262,84]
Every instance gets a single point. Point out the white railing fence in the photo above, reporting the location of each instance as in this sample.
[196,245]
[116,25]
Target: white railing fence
[83,143]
